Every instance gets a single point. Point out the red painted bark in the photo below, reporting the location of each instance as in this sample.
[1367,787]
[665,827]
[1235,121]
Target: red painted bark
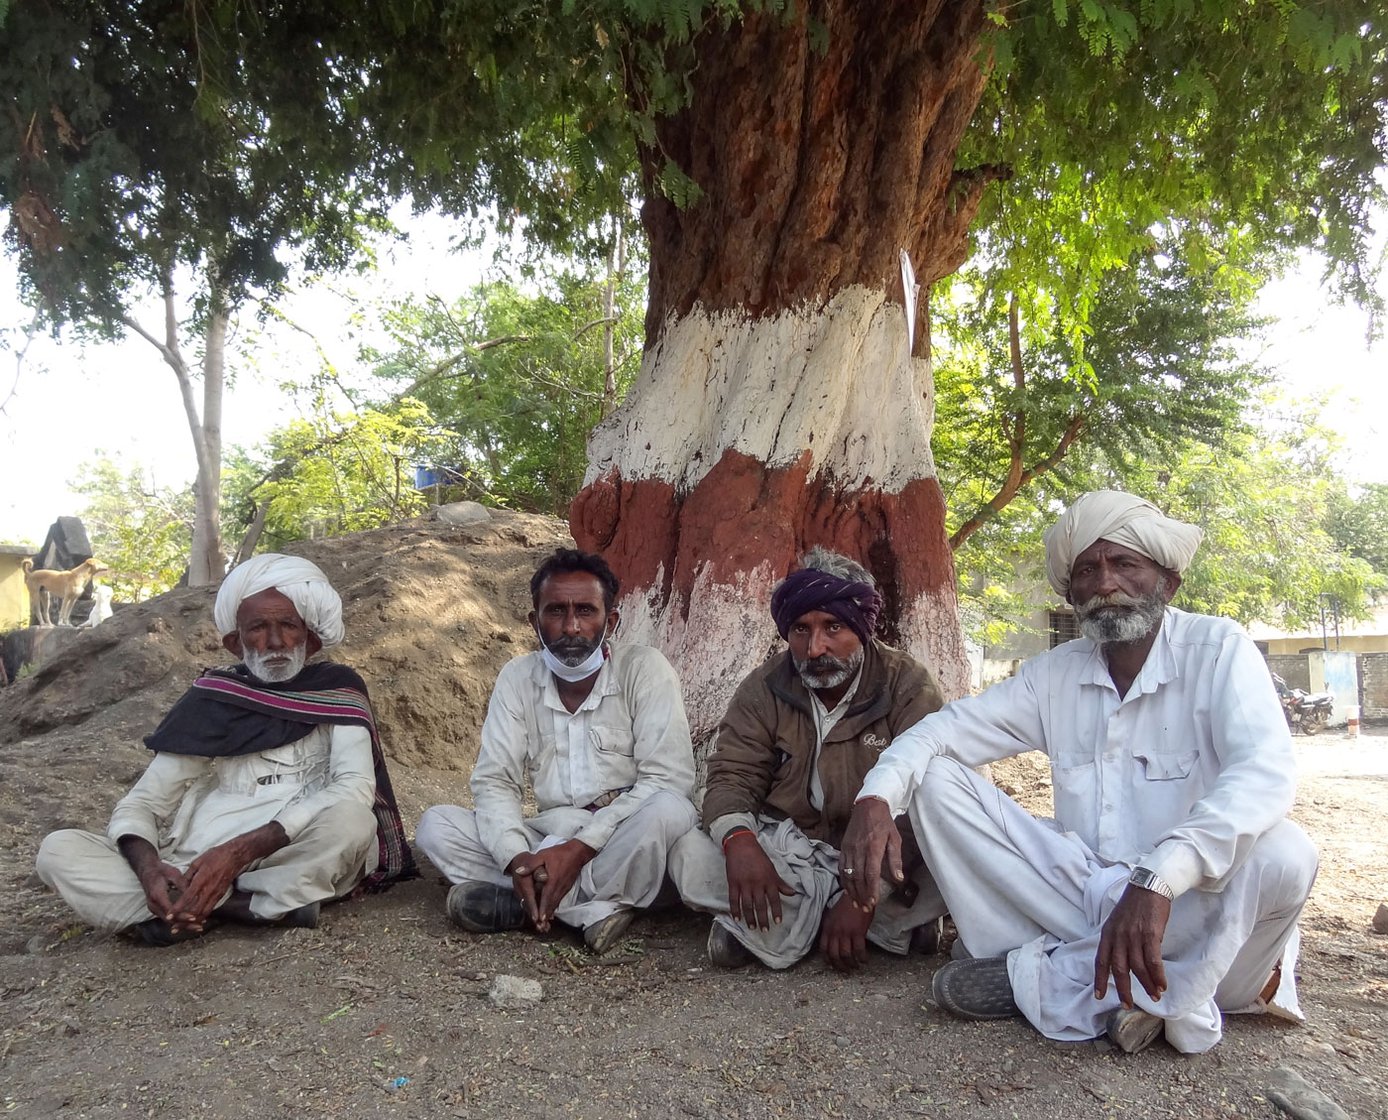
[818,162]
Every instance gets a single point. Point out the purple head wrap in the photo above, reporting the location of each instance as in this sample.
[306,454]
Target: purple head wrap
[810,589]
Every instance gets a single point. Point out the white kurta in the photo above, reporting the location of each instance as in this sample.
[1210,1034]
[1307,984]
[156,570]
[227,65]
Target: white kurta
[1183,775]
[617,774]
[320,789]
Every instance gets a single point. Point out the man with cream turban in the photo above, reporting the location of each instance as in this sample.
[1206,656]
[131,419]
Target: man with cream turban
[1165,893]
[267,793]
[798,737]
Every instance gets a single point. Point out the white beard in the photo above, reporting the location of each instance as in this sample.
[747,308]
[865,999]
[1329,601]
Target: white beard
[1120,618]
[276,668]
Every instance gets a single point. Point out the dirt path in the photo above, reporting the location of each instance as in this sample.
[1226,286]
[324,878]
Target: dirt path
[382,1011]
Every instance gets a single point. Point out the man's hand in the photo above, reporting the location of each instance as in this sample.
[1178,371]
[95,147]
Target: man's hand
[521,870]
[209,878]
[163,883]
[558,871]
[871,851]
[542,879]
[754,887]
[1130,942]
[843,935]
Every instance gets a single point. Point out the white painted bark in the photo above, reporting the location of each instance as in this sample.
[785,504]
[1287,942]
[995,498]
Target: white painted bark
[837,381]
[834,380]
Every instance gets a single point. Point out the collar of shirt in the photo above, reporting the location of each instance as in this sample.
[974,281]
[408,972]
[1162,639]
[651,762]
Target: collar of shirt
[605,685]
[1159,668]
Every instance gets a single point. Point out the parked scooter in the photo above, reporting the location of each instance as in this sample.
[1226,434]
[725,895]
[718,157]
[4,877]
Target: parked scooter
[1307,712]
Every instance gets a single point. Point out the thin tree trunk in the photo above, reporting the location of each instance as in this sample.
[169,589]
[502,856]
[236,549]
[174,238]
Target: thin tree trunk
[205,561]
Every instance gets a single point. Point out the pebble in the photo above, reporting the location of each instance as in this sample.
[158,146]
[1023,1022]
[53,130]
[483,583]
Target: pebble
[1381,918]
[514,992]
[1299,1099]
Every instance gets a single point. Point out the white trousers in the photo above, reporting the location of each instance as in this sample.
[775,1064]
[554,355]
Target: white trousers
[327,859]
[810,866]
[1017,886]
[627,873]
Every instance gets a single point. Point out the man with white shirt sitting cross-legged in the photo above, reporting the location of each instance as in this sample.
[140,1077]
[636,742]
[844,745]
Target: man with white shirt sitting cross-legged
[1170,861]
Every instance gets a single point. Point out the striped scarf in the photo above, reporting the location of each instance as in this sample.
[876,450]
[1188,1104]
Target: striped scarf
[228,712]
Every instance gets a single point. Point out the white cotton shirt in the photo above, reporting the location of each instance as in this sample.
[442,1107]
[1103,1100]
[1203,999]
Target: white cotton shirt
[630,734]
[1179,776]
[184,804]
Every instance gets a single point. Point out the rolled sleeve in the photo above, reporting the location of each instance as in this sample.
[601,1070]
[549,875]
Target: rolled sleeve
[351,777]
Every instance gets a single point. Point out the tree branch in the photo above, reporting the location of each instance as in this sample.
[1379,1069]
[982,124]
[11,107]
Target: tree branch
[1008,491]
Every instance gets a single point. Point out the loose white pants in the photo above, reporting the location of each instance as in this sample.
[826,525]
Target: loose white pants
[1017,886]
[326,860]
[627,873]
[810,866]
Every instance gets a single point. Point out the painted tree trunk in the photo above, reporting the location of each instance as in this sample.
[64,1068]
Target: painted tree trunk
[779,404]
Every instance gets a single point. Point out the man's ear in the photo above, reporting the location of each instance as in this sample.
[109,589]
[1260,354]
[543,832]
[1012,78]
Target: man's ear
[1172,584]
[614,619]
[313,644]
[232,643]
[534,620]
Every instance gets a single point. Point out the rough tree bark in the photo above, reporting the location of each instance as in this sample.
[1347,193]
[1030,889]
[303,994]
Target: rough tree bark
[778,405]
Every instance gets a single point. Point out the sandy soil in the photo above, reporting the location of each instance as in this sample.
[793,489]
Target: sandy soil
[382,1010]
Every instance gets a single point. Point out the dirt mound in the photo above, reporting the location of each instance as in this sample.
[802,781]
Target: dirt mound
[432,612]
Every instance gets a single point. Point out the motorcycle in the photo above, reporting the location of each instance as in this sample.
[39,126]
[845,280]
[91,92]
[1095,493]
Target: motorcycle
[1307,712]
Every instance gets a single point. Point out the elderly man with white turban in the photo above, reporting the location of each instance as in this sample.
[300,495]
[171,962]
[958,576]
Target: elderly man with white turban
[267,793]
[1169,862]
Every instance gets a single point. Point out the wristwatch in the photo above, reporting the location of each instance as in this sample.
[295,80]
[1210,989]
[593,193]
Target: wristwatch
[1149,880]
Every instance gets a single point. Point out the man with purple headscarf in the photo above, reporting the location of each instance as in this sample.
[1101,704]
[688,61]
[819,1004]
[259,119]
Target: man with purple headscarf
[798,738]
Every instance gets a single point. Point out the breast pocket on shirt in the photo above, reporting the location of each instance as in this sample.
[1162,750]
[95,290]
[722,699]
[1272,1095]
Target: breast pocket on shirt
[613,741]
[1160,767]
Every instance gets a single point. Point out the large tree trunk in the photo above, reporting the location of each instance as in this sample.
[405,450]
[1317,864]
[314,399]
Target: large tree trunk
[779,404]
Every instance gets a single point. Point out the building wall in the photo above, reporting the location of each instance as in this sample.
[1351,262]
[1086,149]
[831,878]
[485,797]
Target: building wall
[14,594]
[1349,643]
[1292,668]
[1373,686]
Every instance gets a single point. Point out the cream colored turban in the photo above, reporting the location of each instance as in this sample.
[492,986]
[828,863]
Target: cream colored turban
[302,581]
[1125,519]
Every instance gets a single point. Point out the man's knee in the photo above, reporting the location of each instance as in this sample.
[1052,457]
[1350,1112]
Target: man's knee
[943,784]
[437,825]
[1285,859]
[667,815]
[349,825]
[58,851]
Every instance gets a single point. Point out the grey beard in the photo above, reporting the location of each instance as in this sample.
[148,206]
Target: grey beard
[261,669]
[573,652]
[1121,618]
[827,671]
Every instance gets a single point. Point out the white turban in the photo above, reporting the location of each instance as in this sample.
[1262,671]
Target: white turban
[1125,519]
[302,581]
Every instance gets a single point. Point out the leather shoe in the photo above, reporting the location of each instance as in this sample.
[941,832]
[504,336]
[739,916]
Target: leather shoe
[603,934]
[485,908]
[976,988]
[725,950]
